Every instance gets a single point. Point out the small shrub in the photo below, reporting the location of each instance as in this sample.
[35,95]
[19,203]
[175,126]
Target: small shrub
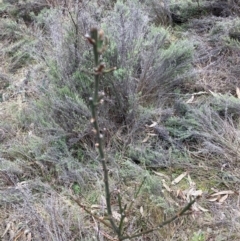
[205,132]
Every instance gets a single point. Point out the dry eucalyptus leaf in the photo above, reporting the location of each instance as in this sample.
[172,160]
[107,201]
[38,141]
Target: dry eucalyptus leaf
[6,229]
[141,210]
[190,100]
[201,208]
[214,189]
[191,183]
[213,199]
[95,209]
[166,186]
[180,194]
[95,206]
[195,193]
[179,178]
[11,234]
[238,92]
[29,237]
[223,198]
[161,175]
[103,200]
[214,94]
[153,124]
[223,193]
[145,139]
[196,207]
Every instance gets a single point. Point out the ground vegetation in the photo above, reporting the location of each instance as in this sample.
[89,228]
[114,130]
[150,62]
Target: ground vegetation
[168,110]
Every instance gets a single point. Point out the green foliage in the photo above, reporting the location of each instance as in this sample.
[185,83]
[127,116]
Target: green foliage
[159,12]
[43,17]
[188,125]
[233,42]
[198,236]
[226,106]
[19,51]
[76,188]
[187,9]
[236,25]
[10,30]
[183,128]
[120,73]
[54,73]
[32,148]
[65,92]
[148,158]
[206,129]
[60,146]
[147,77]
[35,114]
[222,29]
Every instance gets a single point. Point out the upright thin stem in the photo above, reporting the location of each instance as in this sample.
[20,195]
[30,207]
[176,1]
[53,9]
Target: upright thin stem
[96,41]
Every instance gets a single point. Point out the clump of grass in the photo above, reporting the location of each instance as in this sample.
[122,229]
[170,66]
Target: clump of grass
[20,42]
[150,67]
[10,30]
[206,131]
[183,11]
[159,12]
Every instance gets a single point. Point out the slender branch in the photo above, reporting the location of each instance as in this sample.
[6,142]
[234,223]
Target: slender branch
[122,213]
[76,26]
[136,194]
[97,41]
[181,213]
[92,214]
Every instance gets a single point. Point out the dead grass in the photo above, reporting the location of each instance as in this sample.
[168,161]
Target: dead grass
[217,57]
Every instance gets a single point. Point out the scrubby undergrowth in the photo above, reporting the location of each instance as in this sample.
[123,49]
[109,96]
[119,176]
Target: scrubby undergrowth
[170,108]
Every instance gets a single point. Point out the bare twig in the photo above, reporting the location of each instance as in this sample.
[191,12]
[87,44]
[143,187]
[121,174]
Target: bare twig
[181,213]
[97,39]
